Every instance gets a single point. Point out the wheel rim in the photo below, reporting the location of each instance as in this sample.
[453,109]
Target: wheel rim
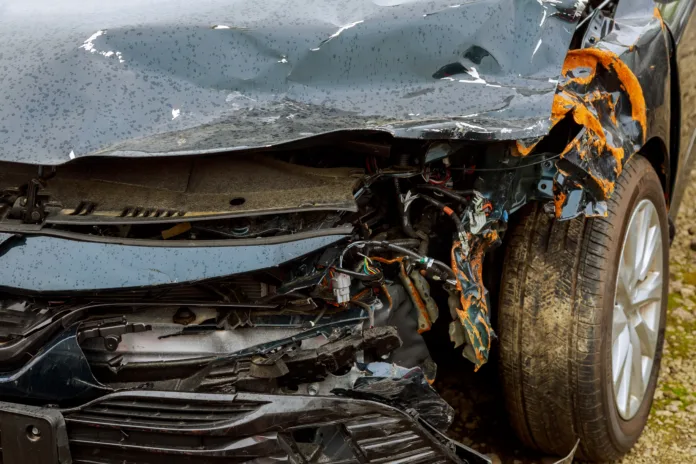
[637,309]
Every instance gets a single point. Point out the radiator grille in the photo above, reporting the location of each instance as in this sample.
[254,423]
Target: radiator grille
[184,428]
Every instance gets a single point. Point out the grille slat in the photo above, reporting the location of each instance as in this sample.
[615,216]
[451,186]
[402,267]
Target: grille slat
[144,419]
[185,428]
[207,407]
[160,412]
[204,416]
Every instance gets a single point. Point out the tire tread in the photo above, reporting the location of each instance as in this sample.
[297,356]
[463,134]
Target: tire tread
[550,326]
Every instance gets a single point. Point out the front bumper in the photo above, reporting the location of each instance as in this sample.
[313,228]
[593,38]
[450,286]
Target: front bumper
[148,427]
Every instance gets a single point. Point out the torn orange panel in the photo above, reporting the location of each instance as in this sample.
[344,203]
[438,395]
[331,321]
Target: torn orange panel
[618,155]
[559,202]
[608,138]
[592,57]
[562,104]
[658,15]
[524,150]
[583,116]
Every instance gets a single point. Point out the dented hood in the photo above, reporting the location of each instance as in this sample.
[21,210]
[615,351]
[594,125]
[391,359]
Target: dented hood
[150,77]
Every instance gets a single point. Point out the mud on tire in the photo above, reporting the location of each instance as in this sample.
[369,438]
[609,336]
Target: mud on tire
[555,321]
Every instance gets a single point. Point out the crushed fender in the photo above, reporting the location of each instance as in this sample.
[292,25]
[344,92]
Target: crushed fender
[605,99]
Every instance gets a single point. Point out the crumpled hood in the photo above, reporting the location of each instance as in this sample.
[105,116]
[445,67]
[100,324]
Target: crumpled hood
[148,77]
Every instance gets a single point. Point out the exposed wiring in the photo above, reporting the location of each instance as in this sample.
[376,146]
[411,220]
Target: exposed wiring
[367,266]
[456,196]
[404,251]
[373,277]
[429,179]
[389,298]
[511,168]
[367,308]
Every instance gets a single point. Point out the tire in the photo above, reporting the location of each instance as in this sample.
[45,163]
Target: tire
[555,323]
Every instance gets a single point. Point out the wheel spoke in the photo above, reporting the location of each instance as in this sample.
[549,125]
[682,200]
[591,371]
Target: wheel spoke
[620,322]
[625,283]
[619,355]
[637,308]
[641,236]
[650,315]
[646,369]
[624,387]
[648,291]
[649,254]
[646,337]
[636,365]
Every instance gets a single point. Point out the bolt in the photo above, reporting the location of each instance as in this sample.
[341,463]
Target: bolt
[111,342]
[33,433]
[35,216]
[184,316]
[313,389]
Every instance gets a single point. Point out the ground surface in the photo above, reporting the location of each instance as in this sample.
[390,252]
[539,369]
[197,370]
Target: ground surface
[670,436]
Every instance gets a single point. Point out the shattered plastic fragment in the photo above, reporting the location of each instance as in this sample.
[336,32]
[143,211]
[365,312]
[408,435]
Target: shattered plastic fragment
[473,314]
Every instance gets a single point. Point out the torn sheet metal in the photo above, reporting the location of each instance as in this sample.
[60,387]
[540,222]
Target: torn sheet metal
[601,89]
[604,97]
[409,392]
[150,78]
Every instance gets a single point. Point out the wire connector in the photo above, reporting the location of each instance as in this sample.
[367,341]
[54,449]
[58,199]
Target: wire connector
[341,287]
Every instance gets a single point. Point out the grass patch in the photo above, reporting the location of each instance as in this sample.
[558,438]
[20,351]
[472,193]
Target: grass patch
[689,278]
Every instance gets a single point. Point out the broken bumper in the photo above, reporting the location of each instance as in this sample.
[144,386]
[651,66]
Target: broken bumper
[95,266]
[147,427]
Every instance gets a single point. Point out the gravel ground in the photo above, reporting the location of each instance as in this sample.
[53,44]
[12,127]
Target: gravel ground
[670,436]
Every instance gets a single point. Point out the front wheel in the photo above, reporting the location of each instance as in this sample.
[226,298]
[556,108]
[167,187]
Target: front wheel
[581,321]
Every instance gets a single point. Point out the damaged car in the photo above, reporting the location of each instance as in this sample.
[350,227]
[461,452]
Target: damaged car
[233,231]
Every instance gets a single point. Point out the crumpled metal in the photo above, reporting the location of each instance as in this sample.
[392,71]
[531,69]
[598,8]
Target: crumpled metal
[602,95]
[601,90]
[127,79]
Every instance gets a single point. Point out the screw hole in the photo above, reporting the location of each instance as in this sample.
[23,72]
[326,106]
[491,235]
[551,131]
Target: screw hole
[33,433]
[237,201]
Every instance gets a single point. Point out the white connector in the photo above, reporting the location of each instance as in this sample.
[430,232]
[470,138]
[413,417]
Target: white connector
[341,287]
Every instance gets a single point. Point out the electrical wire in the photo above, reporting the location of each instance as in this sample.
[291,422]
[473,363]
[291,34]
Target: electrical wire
[376,277]
[453,195]
[392,247]
[511,168]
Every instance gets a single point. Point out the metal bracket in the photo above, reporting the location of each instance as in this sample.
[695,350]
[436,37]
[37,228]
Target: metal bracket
[477,217]
[545,183]
[598,27]
[110,330]
[32,210]
[33,435]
